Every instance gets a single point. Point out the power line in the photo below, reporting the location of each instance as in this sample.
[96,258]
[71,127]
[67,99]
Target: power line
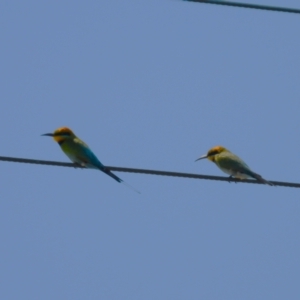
[247,5]
[144,171]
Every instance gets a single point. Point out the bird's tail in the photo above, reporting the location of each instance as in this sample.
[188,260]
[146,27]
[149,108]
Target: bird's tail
[112,175]
[260,179]
[131,187]
[115,177]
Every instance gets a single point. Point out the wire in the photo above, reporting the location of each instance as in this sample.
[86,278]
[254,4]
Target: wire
[246,5]
[144,171]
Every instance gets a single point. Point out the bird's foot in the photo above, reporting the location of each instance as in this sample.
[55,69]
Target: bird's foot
[79,165]
[231,177]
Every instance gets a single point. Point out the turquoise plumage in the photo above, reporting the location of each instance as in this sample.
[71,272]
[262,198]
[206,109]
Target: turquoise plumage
[79,152]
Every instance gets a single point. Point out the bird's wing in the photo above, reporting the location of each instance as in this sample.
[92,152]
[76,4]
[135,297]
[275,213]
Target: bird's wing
[80,143]
[232,162]
[84,154]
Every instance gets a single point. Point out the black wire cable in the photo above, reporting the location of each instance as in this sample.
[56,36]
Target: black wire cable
[145,171]
[247,5]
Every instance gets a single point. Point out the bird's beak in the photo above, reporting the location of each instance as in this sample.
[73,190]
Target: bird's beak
[48,134]
[201,157]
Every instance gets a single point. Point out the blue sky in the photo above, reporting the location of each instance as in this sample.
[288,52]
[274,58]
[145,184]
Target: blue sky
[149,84]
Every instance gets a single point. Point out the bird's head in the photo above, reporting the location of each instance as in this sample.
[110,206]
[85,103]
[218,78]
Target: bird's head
[212,153]
[61,134]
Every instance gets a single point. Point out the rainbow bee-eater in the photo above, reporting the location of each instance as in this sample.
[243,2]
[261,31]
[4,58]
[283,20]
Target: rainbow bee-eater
[79,152]
[231,164]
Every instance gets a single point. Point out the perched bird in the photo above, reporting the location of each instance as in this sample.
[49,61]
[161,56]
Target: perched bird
[231,164]
[79,152]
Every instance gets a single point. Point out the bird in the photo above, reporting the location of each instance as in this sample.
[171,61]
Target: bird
[231,164]
[80,153]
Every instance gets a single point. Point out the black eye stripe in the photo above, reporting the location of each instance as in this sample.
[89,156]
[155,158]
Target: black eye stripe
[63,134]
[213,153]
